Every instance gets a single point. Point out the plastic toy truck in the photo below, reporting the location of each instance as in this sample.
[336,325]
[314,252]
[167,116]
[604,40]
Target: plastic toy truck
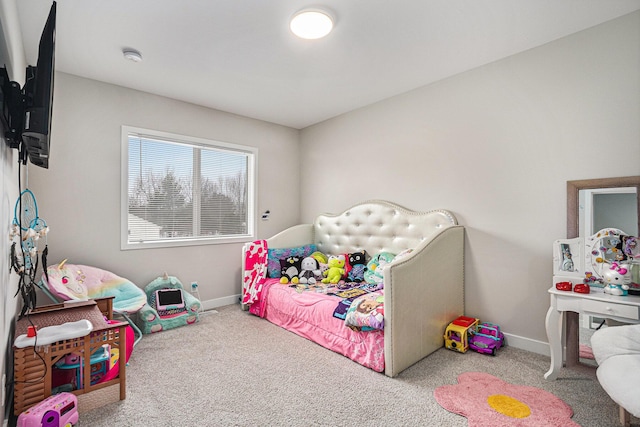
[457,334]
[487,338]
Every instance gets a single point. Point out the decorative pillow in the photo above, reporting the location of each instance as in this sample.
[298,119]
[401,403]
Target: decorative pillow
[275,255]
[366,312]
[373,274]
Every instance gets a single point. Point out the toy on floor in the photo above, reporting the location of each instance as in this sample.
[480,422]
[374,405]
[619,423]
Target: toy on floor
[457,334]
[180,309]
[59,410]
[487,338]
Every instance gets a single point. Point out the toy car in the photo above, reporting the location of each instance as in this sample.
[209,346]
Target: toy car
[456,336]
[487,339]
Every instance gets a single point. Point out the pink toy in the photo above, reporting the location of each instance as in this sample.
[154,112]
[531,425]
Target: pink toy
[115,369]
[59,410]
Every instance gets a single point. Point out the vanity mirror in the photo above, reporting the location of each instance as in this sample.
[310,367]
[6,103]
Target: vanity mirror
[594,204]
[589,190]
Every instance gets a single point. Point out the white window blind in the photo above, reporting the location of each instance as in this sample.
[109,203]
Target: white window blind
[183,190]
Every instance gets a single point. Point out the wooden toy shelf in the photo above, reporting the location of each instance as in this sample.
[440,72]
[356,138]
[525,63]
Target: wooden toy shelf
[33,365]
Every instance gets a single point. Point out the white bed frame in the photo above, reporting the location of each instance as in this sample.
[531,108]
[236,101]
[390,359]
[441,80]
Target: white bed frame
[423,291]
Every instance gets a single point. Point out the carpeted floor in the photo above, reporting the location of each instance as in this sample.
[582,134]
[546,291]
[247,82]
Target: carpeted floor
[234,369]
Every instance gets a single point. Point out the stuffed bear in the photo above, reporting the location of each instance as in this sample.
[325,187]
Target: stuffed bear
[336,269]
[375,267]
[290,270]
[357,266]
[309,271]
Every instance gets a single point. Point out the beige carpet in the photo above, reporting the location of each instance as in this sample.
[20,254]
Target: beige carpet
[234,369]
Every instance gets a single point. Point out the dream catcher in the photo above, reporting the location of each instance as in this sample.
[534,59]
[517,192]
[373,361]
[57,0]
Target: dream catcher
[27,230]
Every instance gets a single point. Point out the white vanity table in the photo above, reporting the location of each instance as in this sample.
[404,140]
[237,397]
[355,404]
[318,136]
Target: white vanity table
[565,305]
[584,260]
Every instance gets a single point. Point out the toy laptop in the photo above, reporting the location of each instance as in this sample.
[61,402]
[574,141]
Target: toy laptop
[169,299]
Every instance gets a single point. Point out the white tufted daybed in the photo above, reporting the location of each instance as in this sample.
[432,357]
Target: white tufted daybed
[423,291]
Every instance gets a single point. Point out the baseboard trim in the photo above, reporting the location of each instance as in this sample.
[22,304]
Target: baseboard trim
[528,344]
[211,304]
[534,346]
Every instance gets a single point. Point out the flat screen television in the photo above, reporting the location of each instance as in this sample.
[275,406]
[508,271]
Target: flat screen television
[38,98]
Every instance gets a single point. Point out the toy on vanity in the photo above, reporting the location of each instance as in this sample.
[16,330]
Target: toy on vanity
[598,261]
[581,288]
[617,279]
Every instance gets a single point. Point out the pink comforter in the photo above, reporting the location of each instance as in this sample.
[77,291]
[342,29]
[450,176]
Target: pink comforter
[310,315]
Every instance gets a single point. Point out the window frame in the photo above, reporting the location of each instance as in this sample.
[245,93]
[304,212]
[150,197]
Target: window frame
[252,189]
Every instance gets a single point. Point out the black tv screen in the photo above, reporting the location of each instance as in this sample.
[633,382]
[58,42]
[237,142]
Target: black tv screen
[38,93]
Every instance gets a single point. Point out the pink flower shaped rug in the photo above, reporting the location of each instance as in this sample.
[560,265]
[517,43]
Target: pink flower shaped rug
[488,401]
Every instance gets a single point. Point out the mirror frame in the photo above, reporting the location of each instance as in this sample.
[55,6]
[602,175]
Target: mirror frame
[574,187]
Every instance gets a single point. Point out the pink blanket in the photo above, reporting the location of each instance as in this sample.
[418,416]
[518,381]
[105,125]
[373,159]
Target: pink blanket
[310,315]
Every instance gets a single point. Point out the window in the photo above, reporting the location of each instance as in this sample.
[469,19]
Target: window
[179,190]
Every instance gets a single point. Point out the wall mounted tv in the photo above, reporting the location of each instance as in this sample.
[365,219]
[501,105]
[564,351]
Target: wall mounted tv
[26,112]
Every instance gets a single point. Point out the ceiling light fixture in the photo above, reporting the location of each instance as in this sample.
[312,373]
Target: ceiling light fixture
[132,55]
[311,24]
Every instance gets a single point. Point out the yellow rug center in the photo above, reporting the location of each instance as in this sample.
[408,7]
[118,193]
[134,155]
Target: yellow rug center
[508,406]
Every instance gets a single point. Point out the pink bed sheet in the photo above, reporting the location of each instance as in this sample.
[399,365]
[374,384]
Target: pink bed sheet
[310,315]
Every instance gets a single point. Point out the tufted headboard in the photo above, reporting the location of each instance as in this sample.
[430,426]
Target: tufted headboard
[377,226]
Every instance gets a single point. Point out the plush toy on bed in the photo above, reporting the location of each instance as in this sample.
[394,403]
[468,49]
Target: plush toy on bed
[375,267]
[322,261]
[336,269]
[310,271]
[290,270]
[357,266]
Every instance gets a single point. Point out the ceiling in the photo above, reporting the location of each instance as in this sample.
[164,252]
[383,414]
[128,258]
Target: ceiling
[239,55]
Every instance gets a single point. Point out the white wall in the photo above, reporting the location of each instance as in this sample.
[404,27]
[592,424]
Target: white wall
[496,146]
[79,195]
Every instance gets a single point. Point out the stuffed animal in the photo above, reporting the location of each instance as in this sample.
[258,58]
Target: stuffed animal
[322,261]
[375,267]
[336,269]
[617,279]
[310,271]
[290,270]
[357,266]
